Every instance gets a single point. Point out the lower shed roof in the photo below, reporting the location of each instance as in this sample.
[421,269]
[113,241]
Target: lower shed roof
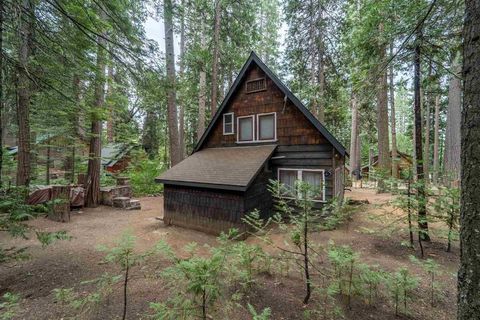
[231,168]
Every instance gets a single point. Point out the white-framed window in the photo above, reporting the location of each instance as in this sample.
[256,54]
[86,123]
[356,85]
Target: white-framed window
[228,123]
[314,177]
[245,129]
[267,126]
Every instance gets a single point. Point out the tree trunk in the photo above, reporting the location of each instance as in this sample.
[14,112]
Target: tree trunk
[175,152]
[216,49]
[393,122]
[181,113]
[384,164]
[422,211]
[47,174]
[92,190]
[111,112]
[23,92]
[202,88]
[354,141]
[452,134]
[2,7]
[426,149]
[436,140]
[321,68]
[469,274]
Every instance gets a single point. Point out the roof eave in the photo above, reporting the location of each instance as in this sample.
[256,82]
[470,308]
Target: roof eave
[202,185]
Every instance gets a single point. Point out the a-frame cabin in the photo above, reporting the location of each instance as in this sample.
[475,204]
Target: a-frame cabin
[260,132]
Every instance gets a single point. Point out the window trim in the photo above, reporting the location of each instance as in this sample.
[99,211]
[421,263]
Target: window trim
[300,178]
[274,127]
[253,129]
[233,124]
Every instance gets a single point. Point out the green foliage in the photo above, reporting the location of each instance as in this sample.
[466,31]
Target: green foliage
[337,213]
[194,283]
[8,306]
[433,270]
[81,302]
[400,285]
[47,238]
[14,212]
[142,173]
[447,209]
[345,263]
[264,315]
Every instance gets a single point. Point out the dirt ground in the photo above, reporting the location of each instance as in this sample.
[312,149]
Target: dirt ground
[66,264]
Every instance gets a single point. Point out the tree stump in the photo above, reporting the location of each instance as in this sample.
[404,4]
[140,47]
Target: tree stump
[60,204]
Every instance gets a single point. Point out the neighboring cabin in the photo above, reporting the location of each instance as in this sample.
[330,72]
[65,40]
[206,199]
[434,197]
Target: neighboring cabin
[260,132]
[404,163]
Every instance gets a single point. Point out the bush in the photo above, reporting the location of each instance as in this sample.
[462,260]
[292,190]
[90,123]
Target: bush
[142,173]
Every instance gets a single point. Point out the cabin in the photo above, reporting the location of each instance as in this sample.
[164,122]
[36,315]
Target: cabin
[404,163]
[261,131]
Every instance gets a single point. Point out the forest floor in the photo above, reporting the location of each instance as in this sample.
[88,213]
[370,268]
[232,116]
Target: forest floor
[66,264]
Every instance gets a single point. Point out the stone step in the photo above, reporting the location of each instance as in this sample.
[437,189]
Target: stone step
[134,205]
[121,202]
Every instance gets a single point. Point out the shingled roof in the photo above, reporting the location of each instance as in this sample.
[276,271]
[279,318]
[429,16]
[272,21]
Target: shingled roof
[254,59]
[231,168]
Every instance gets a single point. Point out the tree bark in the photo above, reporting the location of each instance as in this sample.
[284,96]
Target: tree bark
[422,210]
[384,164]
[426,149]
[354,141]
[2,7]
[181,113]
[202,88]
[469,274]
[23,92]
[111,112]
[452,134]
[436,140]
[393,121]
[174,142]
[216,49]
[92,190]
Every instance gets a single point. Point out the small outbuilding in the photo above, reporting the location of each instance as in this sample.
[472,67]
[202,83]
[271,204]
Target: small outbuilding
[261,131]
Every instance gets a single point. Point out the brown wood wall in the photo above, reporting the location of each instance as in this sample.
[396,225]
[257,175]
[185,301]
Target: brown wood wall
[206,210]
[292,126]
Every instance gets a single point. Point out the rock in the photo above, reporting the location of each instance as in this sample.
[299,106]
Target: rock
[121,202]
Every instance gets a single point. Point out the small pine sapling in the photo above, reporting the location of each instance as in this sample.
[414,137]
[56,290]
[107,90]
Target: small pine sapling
[371,277]
[194,283]
[344,261]
[8,305]
[447,208]
[433,270]
[400,285]
[124,255]
[264,315]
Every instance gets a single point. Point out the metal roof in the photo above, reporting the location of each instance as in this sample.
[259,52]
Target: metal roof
[231,168]
[255,59]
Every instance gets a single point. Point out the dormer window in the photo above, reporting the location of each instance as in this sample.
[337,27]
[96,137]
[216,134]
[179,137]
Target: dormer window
[228,123]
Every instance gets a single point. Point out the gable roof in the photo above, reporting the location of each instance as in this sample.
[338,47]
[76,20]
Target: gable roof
[253,58]
[231,168]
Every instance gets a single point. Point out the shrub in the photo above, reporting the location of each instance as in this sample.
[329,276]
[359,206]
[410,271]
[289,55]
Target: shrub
[142,173]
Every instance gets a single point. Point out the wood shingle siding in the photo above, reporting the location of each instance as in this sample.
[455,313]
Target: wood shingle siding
[224,179]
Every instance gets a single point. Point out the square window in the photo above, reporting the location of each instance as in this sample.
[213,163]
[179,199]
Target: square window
[228,123]
[315,180]
[288,178]
[245,129]
[266,127]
